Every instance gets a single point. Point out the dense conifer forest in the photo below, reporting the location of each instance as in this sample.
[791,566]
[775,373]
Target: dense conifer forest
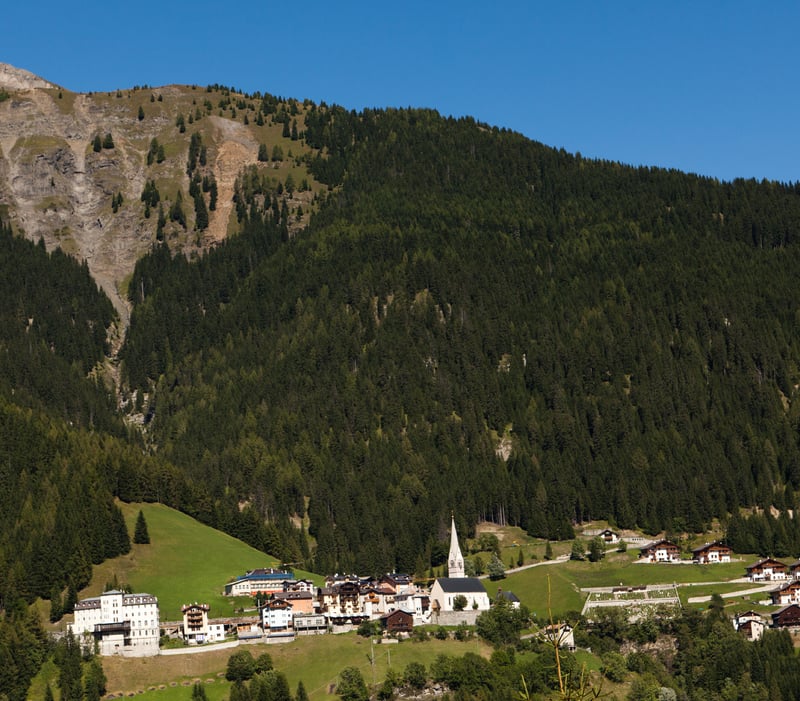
[630,333]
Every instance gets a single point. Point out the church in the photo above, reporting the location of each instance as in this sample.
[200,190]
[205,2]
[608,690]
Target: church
[446,591]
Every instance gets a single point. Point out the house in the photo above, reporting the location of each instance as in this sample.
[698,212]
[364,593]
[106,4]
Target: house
[276,616]
[660,551]
[398,583]
[398,621]
[247,628]
[445,590]
[608,536]
[196,627]
[259,581]
[305,585]
[120,623]
[301,601]
[750,624]
[561,634]
[510,597]
[310,624]
[788,593]
[342,602]
[713,552]
[787,617]
[766,570]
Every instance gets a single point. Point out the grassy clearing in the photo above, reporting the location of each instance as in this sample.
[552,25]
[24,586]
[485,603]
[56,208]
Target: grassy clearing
[316,660]
[185,562]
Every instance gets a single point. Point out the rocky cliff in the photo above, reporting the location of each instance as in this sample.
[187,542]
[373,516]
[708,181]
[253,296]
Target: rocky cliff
[55,184]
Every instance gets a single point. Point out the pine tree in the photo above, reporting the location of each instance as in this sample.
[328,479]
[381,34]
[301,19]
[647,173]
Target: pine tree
[141,113]
[140,534]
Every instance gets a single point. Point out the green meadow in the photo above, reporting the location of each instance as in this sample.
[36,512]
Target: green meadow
[316,660]
[184,562]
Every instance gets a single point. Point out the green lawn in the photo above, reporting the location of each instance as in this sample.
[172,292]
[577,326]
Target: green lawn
[185,562]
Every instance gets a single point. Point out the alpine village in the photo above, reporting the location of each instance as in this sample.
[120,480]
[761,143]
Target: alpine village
[300,402]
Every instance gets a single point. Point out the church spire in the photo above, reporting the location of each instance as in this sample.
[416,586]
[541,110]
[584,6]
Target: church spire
[455,560]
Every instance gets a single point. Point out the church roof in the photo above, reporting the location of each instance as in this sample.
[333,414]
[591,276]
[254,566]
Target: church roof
[461,585]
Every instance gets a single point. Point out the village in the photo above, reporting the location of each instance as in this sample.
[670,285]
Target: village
[128,624]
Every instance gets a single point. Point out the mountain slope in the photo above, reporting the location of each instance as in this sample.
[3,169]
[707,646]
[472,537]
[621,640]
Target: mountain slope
[57,185]
[628,332]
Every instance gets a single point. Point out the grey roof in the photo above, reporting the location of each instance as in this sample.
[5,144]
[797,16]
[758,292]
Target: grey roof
[461,585]
[510,596]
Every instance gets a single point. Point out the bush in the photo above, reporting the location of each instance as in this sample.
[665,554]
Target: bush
[367,629]
[415,676]
[241,666]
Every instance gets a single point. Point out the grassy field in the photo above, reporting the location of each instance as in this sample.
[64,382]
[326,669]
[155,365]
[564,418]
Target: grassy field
[567,579]
[316,660]
[185,562]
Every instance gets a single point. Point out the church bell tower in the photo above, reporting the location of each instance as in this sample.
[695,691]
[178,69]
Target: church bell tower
[455,561]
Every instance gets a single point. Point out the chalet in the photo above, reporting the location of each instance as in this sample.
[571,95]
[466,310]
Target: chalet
[120,623]
[196,626]
[259,581]
[788,593]
[750,624]
[794,569]
[276,616]
[767,569]
[398,621]
[445,590]
[608,536]
[660,551]
[561,634]
[710,553]
[787,617]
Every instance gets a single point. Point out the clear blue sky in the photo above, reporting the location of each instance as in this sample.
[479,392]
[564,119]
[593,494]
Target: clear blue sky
[705,86]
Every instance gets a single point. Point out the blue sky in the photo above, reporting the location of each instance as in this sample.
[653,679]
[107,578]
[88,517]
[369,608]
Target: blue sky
[704,86]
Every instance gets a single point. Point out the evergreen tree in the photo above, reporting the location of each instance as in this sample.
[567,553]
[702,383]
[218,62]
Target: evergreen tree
[141,113]
[140,534]
[351,686]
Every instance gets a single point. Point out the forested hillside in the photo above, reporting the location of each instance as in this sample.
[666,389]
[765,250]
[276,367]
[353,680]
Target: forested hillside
[630,334]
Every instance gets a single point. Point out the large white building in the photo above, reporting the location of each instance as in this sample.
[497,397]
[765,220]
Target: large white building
[122,624]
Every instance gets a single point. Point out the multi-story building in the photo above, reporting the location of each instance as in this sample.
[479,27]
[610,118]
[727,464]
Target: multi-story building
[260,581]
[120,623]
[196,626]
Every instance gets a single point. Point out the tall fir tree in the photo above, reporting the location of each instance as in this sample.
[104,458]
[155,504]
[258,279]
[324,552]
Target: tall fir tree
[140,534]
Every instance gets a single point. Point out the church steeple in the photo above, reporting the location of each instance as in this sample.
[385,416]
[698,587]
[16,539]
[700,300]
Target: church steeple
[455,561]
